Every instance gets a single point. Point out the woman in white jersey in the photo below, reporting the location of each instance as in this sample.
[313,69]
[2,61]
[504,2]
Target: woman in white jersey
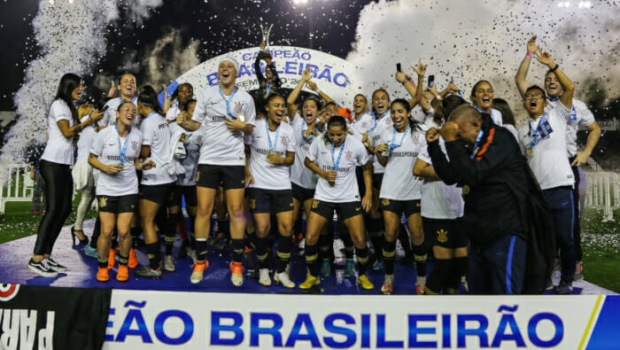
[400,191]
[272,152]
[157,184]
[115,152]
[62,126]
[442,208]
[482,97]
[82,174]
[180,96]
[334,157]
[228,114]
[186,181]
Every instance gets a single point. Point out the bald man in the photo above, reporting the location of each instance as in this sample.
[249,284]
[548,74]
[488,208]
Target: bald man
[487,160]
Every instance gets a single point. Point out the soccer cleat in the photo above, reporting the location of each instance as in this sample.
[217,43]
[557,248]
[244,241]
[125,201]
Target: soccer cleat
[103,275]
[263,277]
[192,254]
[377,265]
[55,265]
[420,285]
[123,273]
[236,269]
[388,285]
[199,270]
[564,288]
[578,271]
[169,263]
[326,267]
[112,258]
[91,252]
[549,285]
[310,282]
[349,268]
[133,258]
[364,282]
[42,268]
[283,279]
[147,272]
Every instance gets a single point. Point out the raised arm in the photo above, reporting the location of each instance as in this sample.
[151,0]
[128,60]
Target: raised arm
[292,97]
[259,73]
[70,131]
[567,85]
[522,84]
[312,85]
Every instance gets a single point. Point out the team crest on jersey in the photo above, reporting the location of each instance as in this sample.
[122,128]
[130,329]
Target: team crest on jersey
[315,203]
[416,138]
[103,202]
[239,107]
[385,201]
[134,145]
[442,236]
[284,140]
[348,155]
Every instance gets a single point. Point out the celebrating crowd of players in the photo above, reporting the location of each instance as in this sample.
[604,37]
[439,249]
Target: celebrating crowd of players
[446,177]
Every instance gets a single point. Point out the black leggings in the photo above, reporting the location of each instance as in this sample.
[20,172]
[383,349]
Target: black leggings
[59,192]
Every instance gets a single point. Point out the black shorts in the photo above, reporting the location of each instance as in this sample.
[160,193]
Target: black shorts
[230,177]
[270,201]
[408,207]
[445,233]
[117,204]
[302,194]
[165,195]
[189,193]
[344,210]
[377,180]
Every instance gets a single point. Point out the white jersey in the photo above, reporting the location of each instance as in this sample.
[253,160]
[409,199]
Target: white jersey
[398,180]
[109,117]
[497,117]
[85,142]
[173,112]
[383,123]
[192,153]
[156,134]
[107,147]
[59,149]
[419,115]
[222,146]
[548,161]
[269,176]
[362,125]
[350,155]
[300,174]
[578,119]
[439,201]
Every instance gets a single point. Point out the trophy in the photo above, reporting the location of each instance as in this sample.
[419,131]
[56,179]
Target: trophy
[266,31]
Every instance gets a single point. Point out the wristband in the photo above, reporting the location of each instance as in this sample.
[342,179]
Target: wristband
[529,54]
[554,68]
[166,97]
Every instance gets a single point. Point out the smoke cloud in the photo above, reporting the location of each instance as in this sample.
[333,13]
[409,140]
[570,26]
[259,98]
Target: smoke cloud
[71,37]
[486,39]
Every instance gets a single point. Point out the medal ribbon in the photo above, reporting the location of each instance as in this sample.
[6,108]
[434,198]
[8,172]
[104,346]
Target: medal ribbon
[393,146]
[272,147]
[337,162]
[537,131]
[228,100]
[473,154]
[122,150]
[303,125]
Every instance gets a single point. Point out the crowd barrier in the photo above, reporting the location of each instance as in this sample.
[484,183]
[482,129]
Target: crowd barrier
[144,320]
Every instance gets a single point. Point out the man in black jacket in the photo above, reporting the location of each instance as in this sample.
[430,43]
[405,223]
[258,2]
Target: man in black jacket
[485,158]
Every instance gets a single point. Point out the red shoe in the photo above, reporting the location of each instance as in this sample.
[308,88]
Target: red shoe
[112,258]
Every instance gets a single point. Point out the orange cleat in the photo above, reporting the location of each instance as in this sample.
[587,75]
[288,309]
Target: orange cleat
[133,259]
[103,275]
[123,273]
[112,258]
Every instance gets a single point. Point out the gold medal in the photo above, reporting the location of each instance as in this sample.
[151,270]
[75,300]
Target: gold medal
[121,166]
[530,151]
[466,189]
[242,118]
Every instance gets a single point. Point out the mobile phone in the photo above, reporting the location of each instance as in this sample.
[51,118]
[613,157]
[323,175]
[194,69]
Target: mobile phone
[431,80]
[398,67]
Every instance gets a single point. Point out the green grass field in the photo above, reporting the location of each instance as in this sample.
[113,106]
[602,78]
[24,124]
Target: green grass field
[601,242]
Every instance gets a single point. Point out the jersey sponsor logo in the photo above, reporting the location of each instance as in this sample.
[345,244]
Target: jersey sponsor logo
[103,202]
[442,236]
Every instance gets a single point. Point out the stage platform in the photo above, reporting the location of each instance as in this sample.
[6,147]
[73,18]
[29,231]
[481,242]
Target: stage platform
[81,272]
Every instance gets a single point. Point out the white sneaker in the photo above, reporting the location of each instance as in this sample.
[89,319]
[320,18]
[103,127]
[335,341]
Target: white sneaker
[169,263]
[263,277]
[283,279]
[236,270]
[192,254]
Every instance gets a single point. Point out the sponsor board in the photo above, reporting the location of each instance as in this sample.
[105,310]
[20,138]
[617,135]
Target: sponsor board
[157,320]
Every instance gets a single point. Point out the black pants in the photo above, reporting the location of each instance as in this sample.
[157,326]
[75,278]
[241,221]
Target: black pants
[59,190]
[577,223]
